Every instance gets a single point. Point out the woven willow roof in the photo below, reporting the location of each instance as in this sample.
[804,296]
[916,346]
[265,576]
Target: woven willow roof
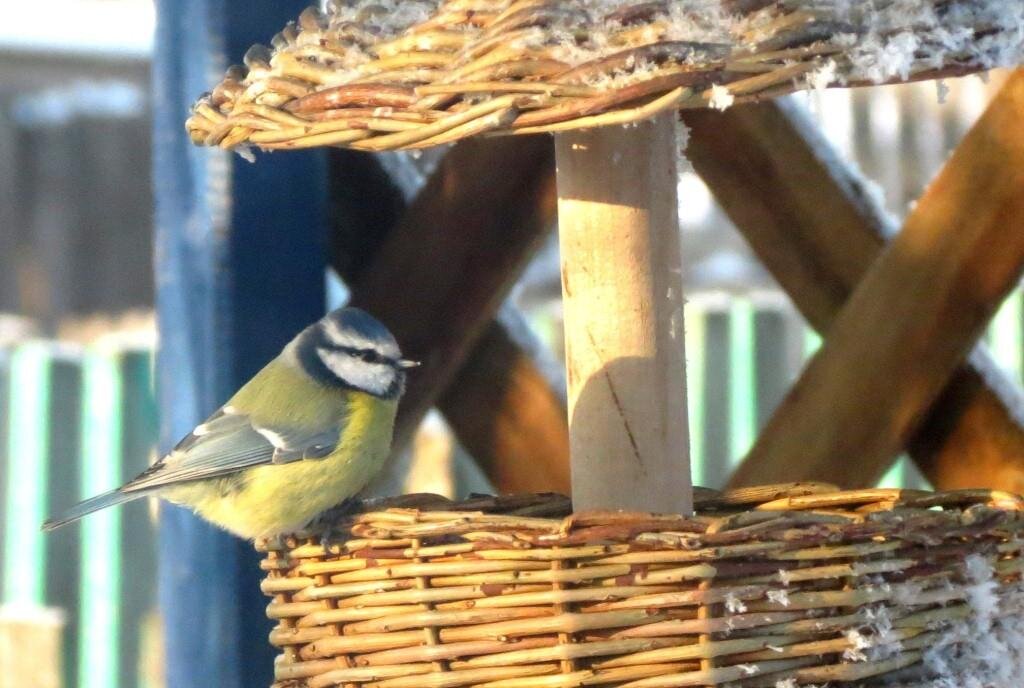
[398,74]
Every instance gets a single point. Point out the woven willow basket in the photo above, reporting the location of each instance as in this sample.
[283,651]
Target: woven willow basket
[397,74]
[776,586]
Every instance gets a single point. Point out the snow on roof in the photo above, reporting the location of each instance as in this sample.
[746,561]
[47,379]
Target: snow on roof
[883,39]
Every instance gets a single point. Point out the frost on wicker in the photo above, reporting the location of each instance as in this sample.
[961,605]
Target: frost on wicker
[394,74]
[776,586]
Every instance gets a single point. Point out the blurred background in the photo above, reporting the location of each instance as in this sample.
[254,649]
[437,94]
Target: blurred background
[77,334]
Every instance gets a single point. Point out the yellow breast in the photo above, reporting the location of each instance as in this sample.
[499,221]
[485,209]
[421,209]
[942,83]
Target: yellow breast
[272,499]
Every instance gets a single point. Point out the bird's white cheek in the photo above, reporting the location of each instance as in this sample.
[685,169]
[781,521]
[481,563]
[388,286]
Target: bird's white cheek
[375,378]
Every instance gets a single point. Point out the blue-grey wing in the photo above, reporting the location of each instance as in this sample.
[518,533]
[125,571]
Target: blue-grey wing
[230,441]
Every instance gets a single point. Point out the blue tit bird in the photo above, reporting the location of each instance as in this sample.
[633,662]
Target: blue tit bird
[305,433]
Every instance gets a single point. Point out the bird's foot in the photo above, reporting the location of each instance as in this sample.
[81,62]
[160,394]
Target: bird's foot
[327,523]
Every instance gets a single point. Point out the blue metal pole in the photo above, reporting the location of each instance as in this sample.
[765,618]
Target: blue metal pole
[240,264]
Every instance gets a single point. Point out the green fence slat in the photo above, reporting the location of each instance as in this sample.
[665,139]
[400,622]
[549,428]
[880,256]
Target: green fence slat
[101,552]
[742,380]
[63,465]
[138,532]
[716,440]
[812,342]
[5,423]
[896,476]
[904,474]
[695,368]
[913,478]
[771,366]
[25,502]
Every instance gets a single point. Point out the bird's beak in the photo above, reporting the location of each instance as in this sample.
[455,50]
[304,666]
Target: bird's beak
[404,364]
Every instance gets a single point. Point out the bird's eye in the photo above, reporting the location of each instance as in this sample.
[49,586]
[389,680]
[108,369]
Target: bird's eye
[369,356]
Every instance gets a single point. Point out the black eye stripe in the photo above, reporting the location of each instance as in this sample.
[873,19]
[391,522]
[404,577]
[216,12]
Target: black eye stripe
[368,355]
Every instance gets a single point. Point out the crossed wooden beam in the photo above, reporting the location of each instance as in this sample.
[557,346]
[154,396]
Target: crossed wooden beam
[899,319]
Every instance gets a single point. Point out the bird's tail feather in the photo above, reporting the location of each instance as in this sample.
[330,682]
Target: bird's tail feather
[90,505]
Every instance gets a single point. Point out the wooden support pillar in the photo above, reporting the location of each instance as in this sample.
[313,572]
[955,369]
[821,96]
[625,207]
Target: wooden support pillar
[912,319]
[623,301]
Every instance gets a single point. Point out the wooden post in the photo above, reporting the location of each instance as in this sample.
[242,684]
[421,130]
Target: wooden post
[506,409]
[520,440]
[912,319]
[30,646]
[623,301]
[814,225]
[483,233]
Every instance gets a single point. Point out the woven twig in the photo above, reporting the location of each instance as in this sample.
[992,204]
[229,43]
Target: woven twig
[786,585]
[388,74]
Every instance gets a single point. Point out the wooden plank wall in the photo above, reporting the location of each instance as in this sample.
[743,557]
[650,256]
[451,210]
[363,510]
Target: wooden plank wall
[240,266]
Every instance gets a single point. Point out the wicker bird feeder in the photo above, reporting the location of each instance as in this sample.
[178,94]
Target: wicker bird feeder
[779,587]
